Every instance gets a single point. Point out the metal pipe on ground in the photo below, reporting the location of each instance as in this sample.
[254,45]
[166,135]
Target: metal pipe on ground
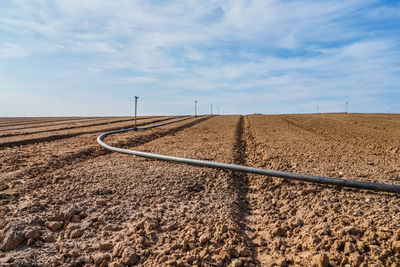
[233,167]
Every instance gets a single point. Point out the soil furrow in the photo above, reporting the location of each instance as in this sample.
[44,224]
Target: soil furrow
[254,227]
[368,122]
[69,135]
[73,203]
[39,121]
[46,170]
[40,125]
[356,136]
[240,185]
[163,214]
[68,128]
[297,223]
[20,157]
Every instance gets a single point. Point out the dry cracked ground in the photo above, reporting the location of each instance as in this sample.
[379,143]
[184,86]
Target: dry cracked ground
[66,201]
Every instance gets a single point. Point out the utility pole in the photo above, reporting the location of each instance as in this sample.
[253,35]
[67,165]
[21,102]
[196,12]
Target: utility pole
[195,108]
[218,110]
[347,104]
[211,109]
[317,108]
[136,98]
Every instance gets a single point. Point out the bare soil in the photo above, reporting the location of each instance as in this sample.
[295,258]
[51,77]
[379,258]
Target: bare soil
[66,201]
[10,138]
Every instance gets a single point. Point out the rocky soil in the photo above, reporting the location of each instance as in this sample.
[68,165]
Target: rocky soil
[24,135]
[66,201]
[292,222]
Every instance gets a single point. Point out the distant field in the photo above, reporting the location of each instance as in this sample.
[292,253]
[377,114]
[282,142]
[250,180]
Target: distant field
[66,200]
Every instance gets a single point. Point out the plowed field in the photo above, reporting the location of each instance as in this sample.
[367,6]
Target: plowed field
[66,201]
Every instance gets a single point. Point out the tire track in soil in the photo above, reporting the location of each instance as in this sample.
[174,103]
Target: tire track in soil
[252,227]
[68,128]
[45,172]
[293,213]
[64,136]
[240,181]
[130,203]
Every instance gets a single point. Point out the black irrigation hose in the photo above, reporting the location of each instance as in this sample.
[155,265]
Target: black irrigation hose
[288,175]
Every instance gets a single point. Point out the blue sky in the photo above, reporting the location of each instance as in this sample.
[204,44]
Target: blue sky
[91,57]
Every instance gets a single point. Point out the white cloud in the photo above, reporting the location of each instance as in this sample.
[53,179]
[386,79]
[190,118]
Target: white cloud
[297,49]
[12,50]
[139,79]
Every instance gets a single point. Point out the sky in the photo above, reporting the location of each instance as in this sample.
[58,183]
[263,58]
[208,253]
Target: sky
[91,57]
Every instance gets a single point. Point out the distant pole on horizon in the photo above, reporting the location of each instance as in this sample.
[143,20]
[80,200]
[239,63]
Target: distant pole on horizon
[347,104]
[317,108]
[136,98]
[218,110]
[195,108]
[211,110]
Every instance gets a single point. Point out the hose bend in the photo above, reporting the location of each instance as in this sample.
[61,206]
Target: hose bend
[233,167]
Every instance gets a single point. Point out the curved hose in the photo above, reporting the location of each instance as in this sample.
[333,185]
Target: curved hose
[211,164]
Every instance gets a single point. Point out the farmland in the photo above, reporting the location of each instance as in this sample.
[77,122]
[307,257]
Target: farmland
[66,200]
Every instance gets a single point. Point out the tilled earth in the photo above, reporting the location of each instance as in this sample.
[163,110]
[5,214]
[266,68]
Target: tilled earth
[66,201]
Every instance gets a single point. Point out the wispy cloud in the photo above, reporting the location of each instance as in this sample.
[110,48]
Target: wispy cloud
[247,55]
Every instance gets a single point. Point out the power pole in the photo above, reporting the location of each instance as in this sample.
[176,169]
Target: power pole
[218,110]
[211,109]
[317,108]
[347,104]
[136,98]
[195,108]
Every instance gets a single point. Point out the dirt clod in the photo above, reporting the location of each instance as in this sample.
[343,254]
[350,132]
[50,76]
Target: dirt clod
[236,263]
[66,201]
[129,256]
[105,246]
[204,238]
[396,246]
[11,241]
[32,233]
[320,260]
[55,225]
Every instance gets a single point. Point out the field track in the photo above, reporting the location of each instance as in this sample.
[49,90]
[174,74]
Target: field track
[66,200]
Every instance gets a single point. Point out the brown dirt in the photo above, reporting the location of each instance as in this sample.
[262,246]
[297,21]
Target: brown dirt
[299,221]
[70,202]
[58,125]
[64,131]
[9,122]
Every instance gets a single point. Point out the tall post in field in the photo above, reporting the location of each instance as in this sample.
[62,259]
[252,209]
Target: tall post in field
[347,104]
[195,108]
[211,110]
[136,98]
